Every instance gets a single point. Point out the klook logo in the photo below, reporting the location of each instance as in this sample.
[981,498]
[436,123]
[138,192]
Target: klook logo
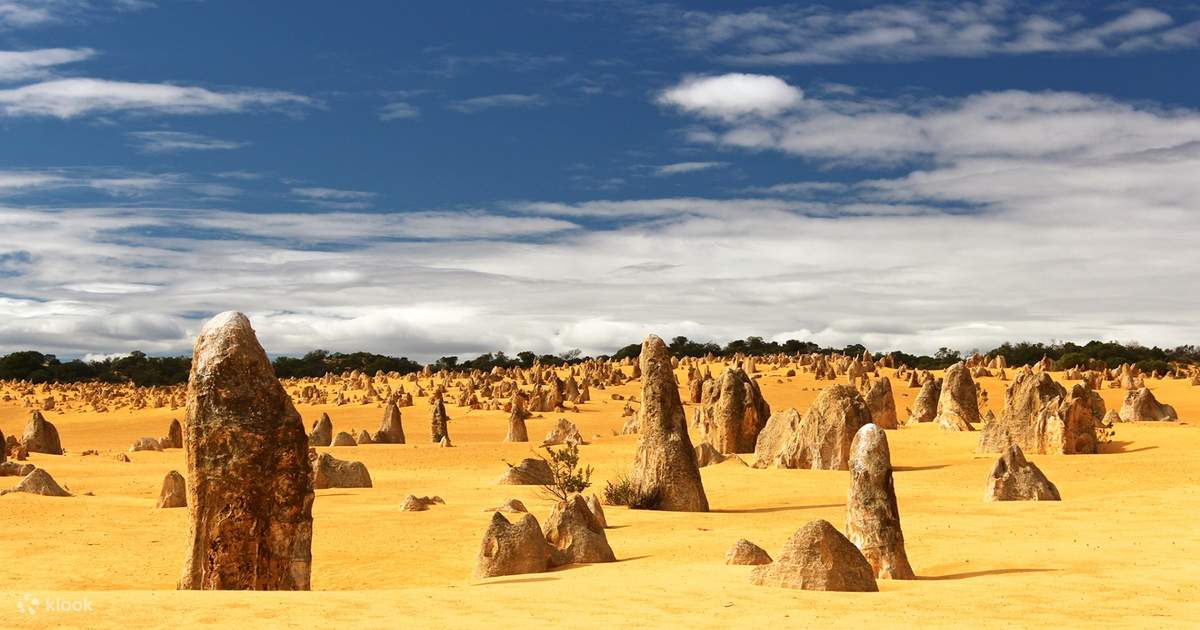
[31,605]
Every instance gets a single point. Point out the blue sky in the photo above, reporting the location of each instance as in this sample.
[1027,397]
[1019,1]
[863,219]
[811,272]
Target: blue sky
[455,177]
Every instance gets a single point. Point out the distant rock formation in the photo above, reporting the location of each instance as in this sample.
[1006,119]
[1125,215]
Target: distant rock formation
[820,439]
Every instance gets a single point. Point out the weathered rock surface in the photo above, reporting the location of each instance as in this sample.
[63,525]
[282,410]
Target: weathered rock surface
[145,444]
[322,432]
[38,481]
[439,421]
[593,504]
[924,407]
[174,434]
[575,535]
[41,436]
[512,506]
[391,428]
[1141,406]
[872,517]
[330,472]
[882,404]
[414,503]
[664,470]
[174,491]
[1014,478]
[344,439]
[249,478]
[958,405]
[15,469]
[512,548]
[818,440]
[531,471]
[818,558]
[733,412]
[1040,416]
[745,552]
[564,432]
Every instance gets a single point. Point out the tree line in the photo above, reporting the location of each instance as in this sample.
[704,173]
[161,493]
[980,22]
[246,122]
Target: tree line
[142,370]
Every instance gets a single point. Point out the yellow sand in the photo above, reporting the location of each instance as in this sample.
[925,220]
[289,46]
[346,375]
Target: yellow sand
[1121,549]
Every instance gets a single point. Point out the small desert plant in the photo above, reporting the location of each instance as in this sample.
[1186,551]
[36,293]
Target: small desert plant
[566,475]
[622,491]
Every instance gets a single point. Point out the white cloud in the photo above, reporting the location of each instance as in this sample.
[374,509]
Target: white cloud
[831,34]
[398,111]
[176,141]
[496,101]
[732,95]
[679,168]
[70,98]
[36,64]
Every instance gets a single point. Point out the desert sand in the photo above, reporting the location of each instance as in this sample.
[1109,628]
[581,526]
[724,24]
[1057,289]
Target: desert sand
[1120,550]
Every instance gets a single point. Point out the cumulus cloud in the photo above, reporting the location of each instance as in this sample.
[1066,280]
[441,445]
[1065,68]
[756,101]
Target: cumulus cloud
[731,95]
[71,98]
[831,34]
[37,64]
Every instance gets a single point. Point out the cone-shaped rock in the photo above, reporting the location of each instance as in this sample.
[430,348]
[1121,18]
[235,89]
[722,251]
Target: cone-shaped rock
[41,436]
[745,552]
[664,470]
[40,482]
[958,405]
[818,558]
[391,428]
[322,432]
[924,407]
[174,491]
[439,421]
[249,479]
[512,548]
[1015,478]
[174,435]
[1040,416]
[575,535]
[872,517]
[517,431]
[1140,405]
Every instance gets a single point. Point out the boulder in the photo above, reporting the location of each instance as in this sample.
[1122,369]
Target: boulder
[958,405]
[1141,406]
[364,438]
[322,432]
[174,434]
[564,432]
[818,440]
[1040,416]
[512,548]
[330,472]
[344,439]
[145,444]
[872,517]
[532,471]
[664,472]
[593,503]
[174,491]
[733,412]
[413,503]
[818,558]
[707,455]
[513,506]
[745,552]
[882,404]
[15,469]
[40,482]
[575,535]
[1015,478]
[924,407]
[41,436]
[249,479]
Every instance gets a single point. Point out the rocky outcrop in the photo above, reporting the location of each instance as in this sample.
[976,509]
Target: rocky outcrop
[38,482]
[391,428]
[733,412]
[414,503]
[174,434]
[882,404]
[329,472]
[517,431]
[664,472]
[344,439]
[1015,478]
[574,534]
[322,432]
[1141,406]
[439,421]
[532,471]
[249,478]
[145,444]
[41,436]
[1040,416]
[512,548]
[958,405]
[745,552]
[564,432]
[818,440]
[818,558]
[173,493]
[872,517]
[924,407]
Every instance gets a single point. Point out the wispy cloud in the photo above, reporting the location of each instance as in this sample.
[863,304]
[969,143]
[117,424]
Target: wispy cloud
[37,64]
[680,168]
[334,198]
[399,111]
[177,141]
[71,98]
[816,34]
[496,101]
[16,14]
